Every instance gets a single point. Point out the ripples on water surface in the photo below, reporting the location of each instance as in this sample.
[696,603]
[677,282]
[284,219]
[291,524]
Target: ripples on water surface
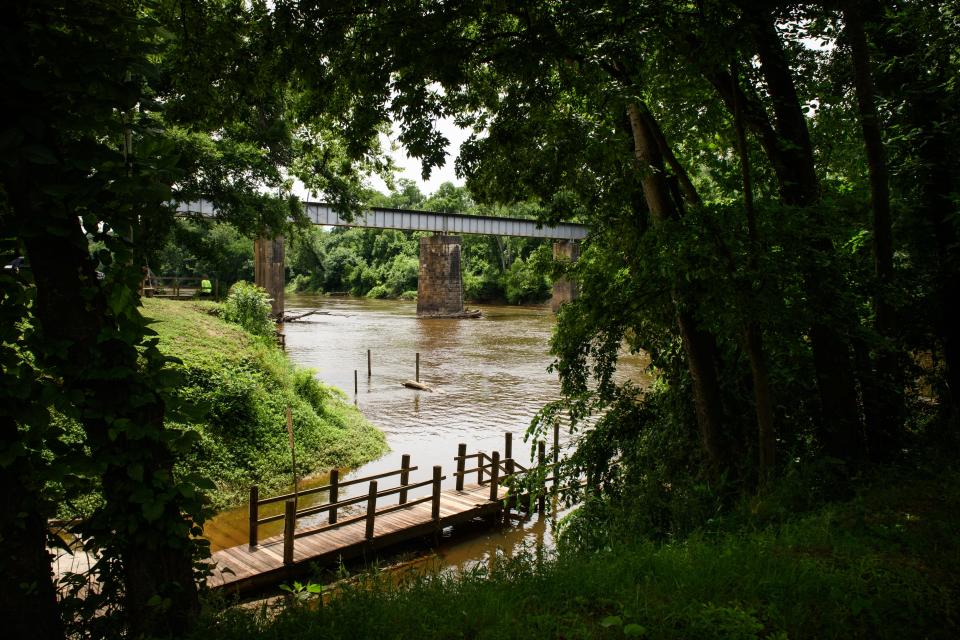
[489,376]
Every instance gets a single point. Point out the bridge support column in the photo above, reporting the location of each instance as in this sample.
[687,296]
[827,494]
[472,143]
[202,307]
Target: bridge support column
[563,289]
[439,286]
[268,270]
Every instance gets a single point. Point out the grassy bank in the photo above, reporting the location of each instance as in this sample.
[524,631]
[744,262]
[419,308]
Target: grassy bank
[236,389]
[883,565]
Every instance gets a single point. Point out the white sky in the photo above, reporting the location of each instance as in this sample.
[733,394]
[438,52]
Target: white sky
[410,168]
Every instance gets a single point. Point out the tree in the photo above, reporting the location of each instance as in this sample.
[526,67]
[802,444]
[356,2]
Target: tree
[114,109]
[638,117]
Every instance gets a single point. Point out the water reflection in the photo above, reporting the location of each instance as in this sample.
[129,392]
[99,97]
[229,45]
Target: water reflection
[488,375]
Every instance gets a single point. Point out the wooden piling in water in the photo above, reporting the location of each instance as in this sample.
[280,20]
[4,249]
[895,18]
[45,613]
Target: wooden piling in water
[404,476]
[508,445]
[355,385]
[556,454]
[368,364]
[289,524]
[371,509]
[254,513]
[541,460]
[418,366]
[334,490]
[511,469]
[435,504]
[461,464]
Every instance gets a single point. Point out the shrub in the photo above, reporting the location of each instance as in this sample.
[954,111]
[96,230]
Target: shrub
[523,283]
[379,291]
[249,306]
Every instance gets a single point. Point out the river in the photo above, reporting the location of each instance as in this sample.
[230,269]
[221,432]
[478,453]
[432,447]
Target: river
[488,377]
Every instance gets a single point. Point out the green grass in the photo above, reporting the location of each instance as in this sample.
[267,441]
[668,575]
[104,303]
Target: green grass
[234,395]
[884,565]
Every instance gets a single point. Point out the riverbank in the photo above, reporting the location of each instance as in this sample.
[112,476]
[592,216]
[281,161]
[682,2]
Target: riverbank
[881,565]
[235,392]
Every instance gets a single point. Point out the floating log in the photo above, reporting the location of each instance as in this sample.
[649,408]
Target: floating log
[413,384]
[294,318]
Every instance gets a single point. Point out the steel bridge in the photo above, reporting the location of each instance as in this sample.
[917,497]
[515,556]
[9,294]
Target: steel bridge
[321,213]
[439,284]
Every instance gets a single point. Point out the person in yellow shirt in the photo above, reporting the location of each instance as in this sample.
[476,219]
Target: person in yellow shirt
[206,287]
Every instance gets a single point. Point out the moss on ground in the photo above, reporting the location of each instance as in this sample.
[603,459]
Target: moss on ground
[234,395]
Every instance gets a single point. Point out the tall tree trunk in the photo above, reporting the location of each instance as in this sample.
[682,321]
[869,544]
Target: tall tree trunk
[699,346]
[28,601]
[937,202]
[690,193]
[876,164]
[791,155]
[752,332]
[71,310]
[922,107]
[883,397]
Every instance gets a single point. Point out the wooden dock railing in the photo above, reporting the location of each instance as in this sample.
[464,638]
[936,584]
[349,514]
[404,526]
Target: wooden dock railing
[291,514]
[496,470]
[492,469]
[177,286]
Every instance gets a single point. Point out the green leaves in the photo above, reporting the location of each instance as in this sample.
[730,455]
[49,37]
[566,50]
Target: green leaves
[630,630]
[611,621]
[249,306]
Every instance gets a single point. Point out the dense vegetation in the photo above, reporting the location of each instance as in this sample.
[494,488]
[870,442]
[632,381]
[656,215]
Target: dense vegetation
[881,565]
[239,388]
[771,188]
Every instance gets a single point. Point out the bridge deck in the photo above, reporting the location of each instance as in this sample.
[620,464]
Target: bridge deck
[241,569]
[411,220]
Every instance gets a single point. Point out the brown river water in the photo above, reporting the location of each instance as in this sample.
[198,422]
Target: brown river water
[489,376]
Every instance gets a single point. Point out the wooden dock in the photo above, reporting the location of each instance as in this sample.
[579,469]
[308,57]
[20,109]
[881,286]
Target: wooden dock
[245,568]
[261,563]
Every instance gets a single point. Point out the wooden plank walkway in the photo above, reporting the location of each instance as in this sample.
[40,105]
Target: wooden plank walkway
[244,568]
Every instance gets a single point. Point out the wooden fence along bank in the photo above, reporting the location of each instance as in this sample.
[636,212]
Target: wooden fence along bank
[382,525]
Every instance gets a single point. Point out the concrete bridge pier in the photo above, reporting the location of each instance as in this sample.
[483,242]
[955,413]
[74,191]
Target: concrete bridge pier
[563,289]
[268,270]
[440,285]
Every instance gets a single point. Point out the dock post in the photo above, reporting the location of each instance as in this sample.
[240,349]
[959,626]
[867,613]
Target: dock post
[435,506]
[254,513]
[541,460]
[334,490]
[480,459]
[355,385]
[404,476]
[556,454]
[461,464]
[289,524]
[508,445]
[368,363]
[371,508]
[495,477]
[511,469]
[418,366]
